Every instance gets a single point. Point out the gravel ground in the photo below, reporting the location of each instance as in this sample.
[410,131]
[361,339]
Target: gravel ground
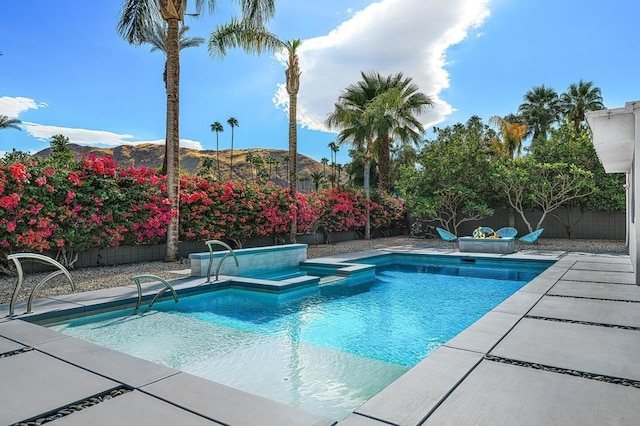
[87,279]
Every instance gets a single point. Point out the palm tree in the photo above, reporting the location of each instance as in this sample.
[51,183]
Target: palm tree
[9,123]
[334,147]
[512,133]
[316,178]
[540,109]
[134,23]
[256,39]
[360,120]
[233,122]
[157,38]
[578,99]
[249,158]
[217,127]
[286,161]
[271,161]
[402,120]
[339,168]
[324,161]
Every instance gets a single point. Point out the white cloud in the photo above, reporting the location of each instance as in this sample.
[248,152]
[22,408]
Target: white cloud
[389,36]
[99,138]
[13,107]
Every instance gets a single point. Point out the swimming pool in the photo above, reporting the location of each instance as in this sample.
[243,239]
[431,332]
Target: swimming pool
[326,349]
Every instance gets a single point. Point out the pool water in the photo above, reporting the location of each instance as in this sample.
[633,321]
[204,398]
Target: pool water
[326,349]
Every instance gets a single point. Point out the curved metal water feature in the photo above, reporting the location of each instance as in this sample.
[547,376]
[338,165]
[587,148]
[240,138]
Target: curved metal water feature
[16,258]
[210,244]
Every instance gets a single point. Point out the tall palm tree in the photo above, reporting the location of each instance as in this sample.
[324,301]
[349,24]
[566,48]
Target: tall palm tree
[360,120]
[250,159]
[540,109]
[324,161]
[316,178]
[257,39]
[398,111]
[286,161]
[157,38]
[334,147]
[233,122]
[578,99]
[404,125]
[136,18]
[217,127]
[9,123]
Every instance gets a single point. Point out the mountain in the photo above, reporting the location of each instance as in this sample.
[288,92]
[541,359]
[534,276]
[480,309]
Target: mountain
[152,155]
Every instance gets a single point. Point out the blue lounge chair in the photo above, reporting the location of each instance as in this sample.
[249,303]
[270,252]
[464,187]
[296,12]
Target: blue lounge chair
[507,232]
[446,236]
[530,238]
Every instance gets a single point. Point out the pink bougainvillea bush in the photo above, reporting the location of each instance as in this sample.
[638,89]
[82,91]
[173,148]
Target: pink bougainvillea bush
[340,210]
[54,207]
[93,203]
[236,212]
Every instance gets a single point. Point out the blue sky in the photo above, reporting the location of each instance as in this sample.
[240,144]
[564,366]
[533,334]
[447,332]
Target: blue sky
[64,69]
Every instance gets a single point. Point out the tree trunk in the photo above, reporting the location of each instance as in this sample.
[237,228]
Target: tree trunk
[367,195]
[511,217]
[384,165]
[293,156]
[367,189]
[231,157]
[173,138]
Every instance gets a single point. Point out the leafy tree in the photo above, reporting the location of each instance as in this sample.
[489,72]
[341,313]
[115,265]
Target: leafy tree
[451,186]
[578,99]
[574,146]
[61,152]
[254,38]
[217,127]
[9,123]
[207,168]
[527,183]
[540,109]
[233,122]
[135,21]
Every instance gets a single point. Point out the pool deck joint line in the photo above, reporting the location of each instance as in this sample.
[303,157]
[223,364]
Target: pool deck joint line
[560,348]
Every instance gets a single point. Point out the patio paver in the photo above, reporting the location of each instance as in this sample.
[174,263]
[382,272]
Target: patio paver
[499,394]
[605,291]
[133,408]
[587,348]
[595,311]
[33,384]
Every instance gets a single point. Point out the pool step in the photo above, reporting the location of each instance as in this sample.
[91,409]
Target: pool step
[330,279]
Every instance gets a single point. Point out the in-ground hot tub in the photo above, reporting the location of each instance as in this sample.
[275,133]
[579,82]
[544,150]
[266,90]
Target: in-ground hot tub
[487,245]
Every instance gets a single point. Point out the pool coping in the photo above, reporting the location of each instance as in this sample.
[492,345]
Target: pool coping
[406,401]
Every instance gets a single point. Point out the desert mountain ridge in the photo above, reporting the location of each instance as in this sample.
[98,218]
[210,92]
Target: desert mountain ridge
[152,155]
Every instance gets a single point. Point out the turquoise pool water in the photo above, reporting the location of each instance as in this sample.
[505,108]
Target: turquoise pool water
[325,349]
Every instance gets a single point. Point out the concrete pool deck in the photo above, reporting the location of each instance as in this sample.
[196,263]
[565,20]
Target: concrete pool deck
[562,350]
